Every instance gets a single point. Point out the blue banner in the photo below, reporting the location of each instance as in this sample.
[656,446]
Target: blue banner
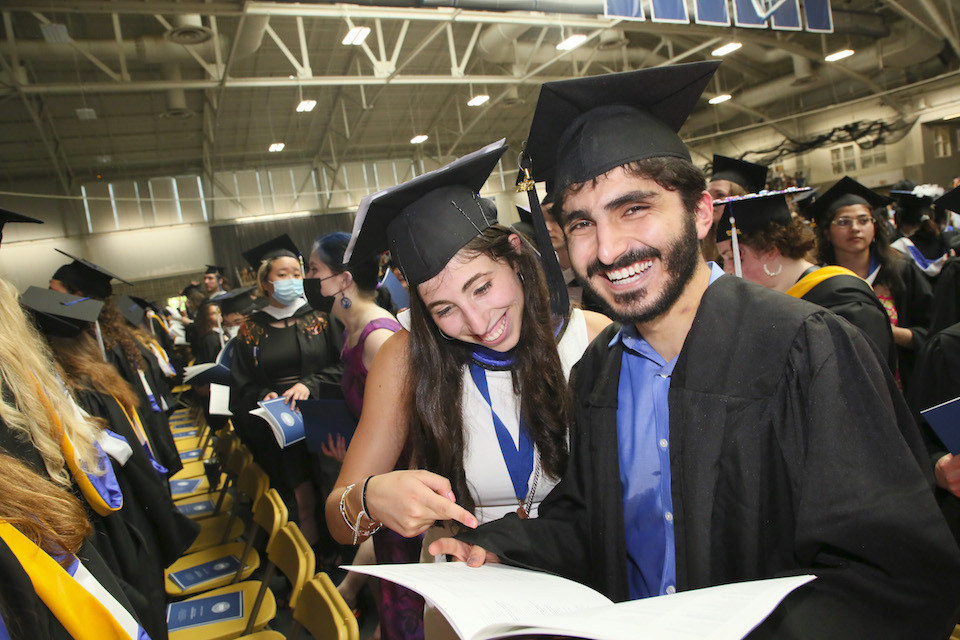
[819,18]
[669,11]
[713,12]
[787,17]
[745,15]
[632,9]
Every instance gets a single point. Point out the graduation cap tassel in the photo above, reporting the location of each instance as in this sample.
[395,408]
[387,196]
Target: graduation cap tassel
[103,351]
[220,329]
[559,297]
[736,248]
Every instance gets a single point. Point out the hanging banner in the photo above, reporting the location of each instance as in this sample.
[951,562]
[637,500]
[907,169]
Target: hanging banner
[779,15]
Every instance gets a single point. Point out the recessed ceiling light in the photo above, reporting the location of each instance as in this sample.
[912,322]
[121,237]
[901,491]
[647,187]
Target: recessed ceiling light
[356,36]
[572,42]
[477,100]
[420,139]
[730,47]
[306,105]
[839,55]
[276,146]
[720,98]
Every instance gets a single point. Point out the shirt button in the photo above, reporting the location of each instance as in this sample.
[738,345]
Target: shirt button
[663,443]
[668,516]
[671,589]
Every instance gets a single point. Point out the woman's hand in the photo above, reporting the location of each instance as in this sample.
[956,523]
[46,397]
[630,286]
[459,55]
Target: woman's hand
[472,554]
[270,396]
[297,392]
[948,473]
[409,502]
[334,449]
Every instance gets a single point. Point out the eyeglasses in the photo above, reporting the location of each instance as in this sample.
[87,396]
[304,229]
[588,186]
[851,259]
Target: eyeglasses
[860,221]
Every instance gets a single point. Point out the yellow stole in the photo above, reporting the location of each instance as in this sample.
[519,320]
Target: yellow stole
[79,611]
[808,282]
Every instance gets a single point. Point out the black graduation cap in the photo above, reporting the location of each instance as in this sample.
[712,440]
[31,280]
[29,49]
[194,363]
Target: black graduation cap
[131,310]
[190,288]
[212,268]
[753,213]
[83,275]
[844,193]
[10,216]
[235,301]
[950,200]
[525,226]
[60,314]
[585,127]
[279,246]
[425,221]
[749,175]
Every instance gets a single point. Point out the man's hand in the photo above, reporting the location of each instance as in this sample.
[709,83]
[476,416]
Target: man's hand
[948,474]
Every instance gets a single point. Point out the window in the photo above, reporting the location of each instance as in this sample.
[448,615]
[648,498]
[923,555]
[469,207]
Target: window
[941,142]
[844,159]
[873,157]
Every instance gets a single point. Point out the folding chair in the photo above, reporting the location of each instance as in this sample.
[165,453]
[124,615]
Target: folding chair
[207,569]
[257,602]
[189,486]
[191,506]
[225,527]
[321,611]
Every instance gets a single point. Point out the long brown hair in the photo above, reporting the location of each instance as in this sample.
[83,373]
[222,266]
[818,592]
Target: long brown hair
[85,370]
[436,420]
[48,515]
[116,332]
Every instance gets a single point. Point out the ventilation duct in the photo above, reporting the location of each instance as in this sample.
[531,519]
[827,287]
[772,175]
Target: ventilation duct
[188,29]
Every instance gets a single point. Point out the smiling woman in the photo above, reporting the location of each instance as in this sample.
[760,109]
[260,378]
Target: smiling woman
[476,388]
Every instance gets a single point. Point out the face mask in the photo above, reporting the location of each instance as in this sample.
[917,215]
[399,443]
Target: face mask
[315,297]
[232,332]
[287,290]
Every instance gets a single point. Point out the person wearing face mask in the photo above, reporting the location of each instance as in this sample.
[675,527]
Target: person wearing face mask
[287,349]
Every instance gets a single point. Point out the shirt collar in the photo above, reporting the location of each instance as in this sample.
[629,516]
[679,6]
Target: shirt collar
[629,335]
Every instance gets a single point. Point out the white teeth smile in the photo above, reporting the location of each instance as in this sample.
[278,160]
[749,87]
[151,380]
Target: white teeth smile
[628,274]
[494,334]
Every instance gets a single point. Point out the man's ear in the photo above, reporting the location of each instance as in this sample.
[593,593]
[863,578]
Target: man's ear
[703,214]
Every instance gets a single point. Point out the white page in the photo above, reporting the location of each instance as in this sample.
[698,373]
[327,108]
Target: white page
[726,612]
[220,400]
[472,598]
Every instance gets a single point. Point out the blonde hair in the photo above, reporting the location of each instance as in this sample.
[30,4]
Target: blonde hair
[33,396]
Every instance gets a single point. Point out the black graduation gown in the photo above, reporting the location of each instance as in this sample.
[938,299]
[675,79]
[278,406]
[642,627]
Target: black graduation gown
[791,452]
[945,308]
[26,616]
[913,300]
[319,339]
[208,347]
[850,297]
[936,379]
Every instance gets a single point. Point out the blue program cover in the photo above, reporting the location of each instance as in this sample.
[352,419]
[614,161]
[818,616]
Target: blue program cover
[945,420]
[189,433]
[180,487]
[287,425]
[190,454]
[212,372]
[206,572]
[326,417]
[200,611]
[197,508]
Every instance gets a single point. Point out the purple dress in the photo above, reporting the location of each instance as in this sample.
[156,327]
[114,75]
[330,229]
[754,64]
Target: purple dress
[401,610]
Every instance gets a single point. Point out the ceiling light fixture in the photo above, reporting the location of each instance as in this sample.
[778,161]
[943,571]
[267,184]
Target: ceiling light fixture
[572,42]
[839,55]
[730,47]
[356,36]
[85,113]
[721,98]
[420,139]
[276,146]
[306,105]
[478,100]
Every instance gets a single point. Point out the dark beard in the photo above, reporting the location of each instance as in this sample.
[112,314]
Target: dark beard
[680,263]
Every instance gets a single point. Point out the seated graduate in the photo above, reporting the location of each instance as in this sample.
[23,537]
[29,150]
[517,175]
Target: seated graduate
[53,583]
[773,250]
[724,432]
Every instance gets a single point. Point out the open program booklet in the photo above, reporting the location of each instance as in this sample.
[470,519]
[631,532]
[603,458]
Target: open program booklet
[497,601]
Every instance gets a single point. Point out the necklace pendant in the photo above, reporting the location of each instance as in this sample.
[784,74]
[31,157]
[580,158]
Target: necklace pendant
[522,512]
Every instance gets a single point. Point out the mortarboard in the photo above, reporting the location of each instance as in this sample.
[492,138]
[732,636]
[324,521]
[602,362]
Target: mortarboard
[236,301]
[844,193]
[425,221]
[281,245]
[749,175]
[950,200]
[212,268]
[131,310]
[190,288]
[753,213]
[585,127]
[60,314]
[83,275]
[9,216]
[525,226]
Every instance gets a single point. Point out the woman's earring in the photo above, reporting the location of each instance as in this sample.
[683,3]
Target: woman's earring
[772,274]
[520,275]
[346,302]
